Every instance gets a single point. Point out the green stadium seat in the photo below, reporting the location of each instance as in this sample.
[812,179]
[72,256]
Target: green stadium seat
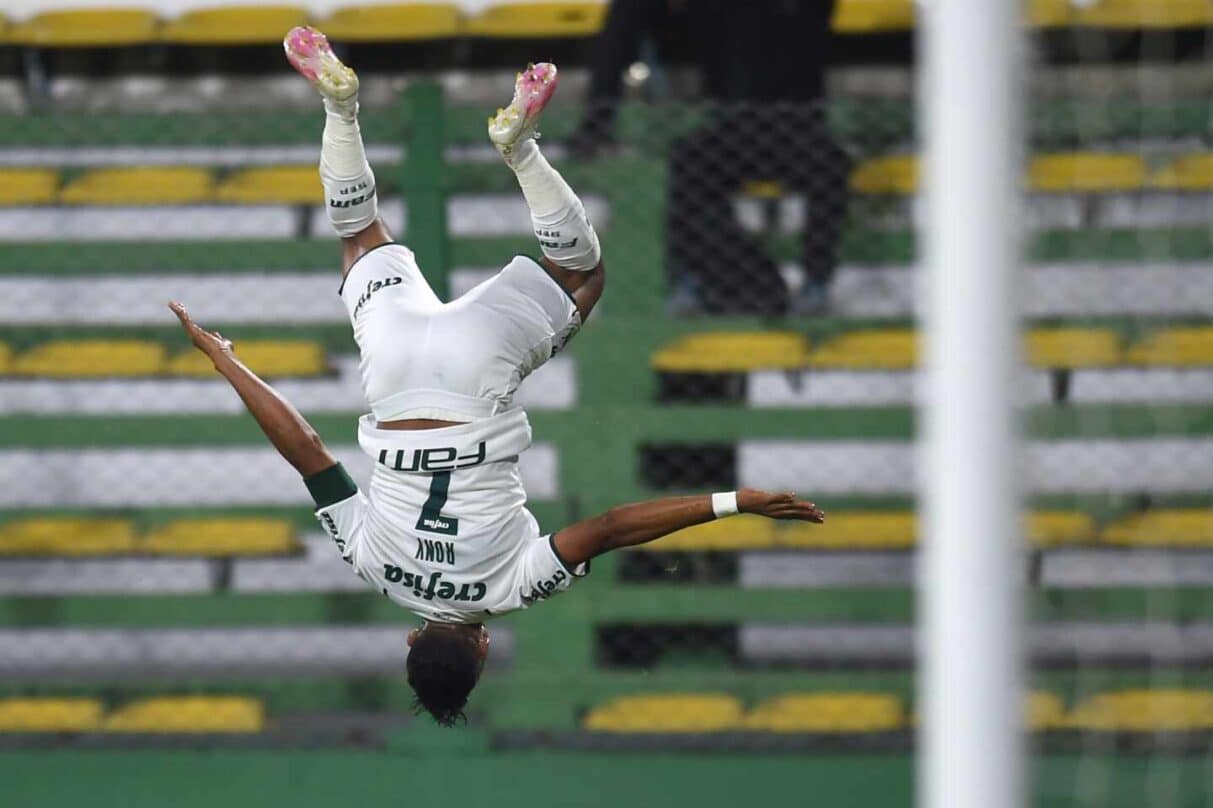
[234,25]
[222,537]
[1183,346]
[28,186]
[87,28]
[140,186]
[1136,14]
[288,185]
[1176,527]
[1046,711]
[1086,172]
[572,18]
[94,358]
[743,532]
[50,715]
[896,175]
[1061,348]
[263,357]
[1060,528]
[1192,172]
[886,349]
[188,714]
[403,22]
[732,352]
[674,712]
[1145,711]
[851,530]
[872,16]
[66,536]
[828,713]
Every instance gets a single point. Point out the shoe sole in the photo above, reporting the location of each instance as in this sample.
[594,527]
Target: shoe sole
[309,52]
[533,89]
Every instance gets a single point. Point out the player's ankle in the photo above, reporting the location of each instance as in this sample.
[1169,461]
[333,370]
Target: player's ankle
[346,109]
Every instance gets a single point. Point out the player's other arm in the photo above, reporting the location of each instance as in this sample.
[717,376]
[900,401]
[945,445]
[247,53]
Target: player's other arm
[641,522]
[290,433]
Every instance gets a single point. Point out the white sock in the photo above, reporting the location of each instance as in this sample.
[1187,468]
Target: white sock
[557,215]
[349,183]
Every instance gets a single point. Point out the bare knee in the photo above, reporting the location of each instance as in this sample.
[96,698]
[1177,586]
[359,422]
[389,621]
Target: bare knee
[355,246]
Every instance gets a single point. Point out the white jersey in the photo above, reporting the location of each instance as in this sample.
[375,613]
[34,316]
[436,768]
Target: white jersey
[443,529]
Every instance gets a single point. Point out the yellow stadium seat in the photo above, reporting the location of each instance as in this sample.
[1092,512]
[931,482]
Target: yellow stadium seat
[67,536]
[1086,172]
[234,25]
[539,20]
[91,359]
[745,532]
[1181,346]
[188,714]
[1145,711]
[263,357]
[393,23]
[289,185]
[675,712]
[888,349]
[845,530]
[1144,14]
[222,537]
[1058,528]
[1046,711]
[872,16]
[87,27]
[732,352]
[6,359]
[50,715]
[140,186]
[1179,527]
[28,186]
[1048,13]
[891,176]
[833,713]
[1073,347]
[1192,172]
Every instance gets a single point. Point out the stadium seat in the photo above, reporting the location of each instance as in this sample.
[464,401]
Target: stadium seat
[393,23]
[287,185]
[1145,711]
[676,712]
[832,713]
[1058,528]
[1059,348]
[234,25]
[140,186]
[1180,346]
[852,530]
[739,533]
[91,359]
[1179,527]
[573,18]
[28,186]
[87,28]
[6,359]
[1136,14]
[1086,172]
[222,537]
[872,16]
[887,176]
[1192,172]
[1046,711]
[1048,13]
[188,714]
[263,357]
[732,352]
[66,536]
[887,349]
[50,715]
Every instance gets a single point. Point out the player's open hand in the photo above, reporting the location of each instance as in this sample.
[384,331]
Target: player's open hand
[210,343]
[778,506]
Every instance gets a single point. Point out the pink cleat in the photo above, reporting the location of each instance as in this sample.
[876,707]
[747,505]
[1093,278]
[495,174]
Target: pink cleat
[516,123]
[309,52]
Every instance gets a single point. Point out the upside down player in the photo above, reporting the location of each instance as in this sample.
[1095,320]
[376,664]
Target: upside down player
[443,529]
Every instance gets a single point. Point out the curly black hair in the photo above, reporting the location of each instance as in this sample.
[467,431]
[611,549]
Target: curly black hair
[443,668]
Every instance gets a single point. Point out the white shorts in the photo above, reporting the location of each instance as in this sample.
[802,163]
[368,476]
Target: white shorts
[456,361]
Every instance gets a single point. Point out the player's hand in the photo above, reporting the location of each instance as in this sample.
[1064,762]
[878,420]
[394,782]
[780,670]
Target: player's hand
[210,343]
[778,506]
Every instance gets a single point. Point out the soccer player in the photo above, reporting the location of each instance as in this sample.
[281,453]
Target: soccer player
[443,529]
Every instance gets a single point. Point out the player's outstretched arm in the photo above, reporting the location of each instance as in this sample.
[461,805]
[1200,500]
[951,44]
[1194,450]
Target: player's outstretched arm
[641,522]
[290,433]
